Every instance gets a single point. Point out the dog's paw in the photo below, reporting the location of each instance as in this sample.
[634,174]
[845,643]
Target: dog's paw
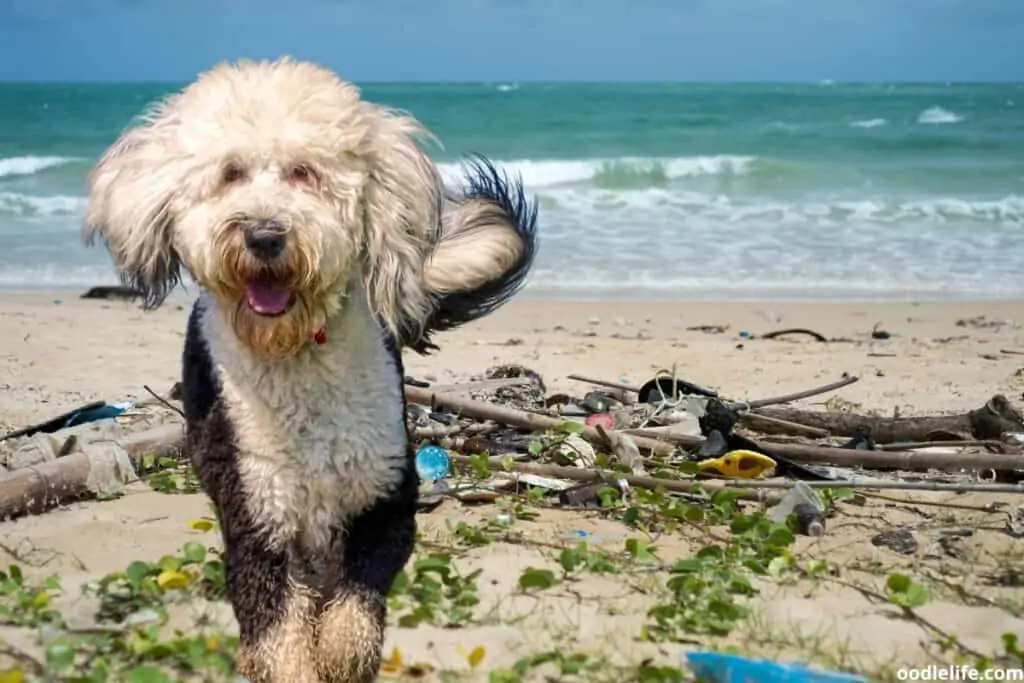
[350,637]
[283,653]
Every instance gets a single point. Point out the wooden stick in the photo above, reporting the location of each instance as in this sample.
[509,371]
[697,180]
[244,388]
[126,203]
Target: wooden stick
[605,383]
[517,418]
[990,421]
[481,385]
[640,482]
[962,443]
[40,487]
[752,405]
[796,396]
[774,425]
[881,485]
[845,457]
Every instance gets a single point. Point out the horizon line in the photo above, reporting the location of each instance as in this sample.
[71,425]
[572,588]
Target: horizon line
[370,82]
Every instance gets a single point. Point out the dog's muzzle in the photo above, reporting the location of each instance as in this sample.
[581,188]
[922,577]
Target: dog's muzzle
[265,239]
[267,293]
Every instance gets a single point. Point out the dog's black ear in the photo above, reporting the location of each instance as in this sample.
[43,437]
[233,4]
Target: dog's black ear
[403,218]
[130,193]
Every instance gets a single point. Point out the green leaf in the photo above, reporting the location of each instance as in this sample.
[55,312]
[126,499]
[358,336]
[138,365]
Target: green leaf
[570,558]
[898,583]
[570,427]
[147,674]
[906,592]
[539,579]
[843,494]
[916,595]
[60,656]
[435,562]
[688,565]
[639,549]
[136,572]
[194,552]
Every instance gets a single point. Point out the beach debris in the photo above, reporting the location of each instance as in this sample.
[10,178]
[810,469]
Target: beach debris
[878,334]
[708,329]
[99,466]
[432,463]
[574,450]
[739,464]
[112,292]
[589,495]
[800,331]
[1015,522]
[803,502]
[996,417]
[90,412]
[982,323]
[695,439]
[718,667]
[861,440]
[666,388]
[899,540]
[605,420]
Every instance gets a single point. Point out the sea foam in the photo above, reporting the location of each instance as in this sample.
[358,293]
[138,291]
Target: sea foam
[868,123]
[14,166]
[27,206]
[549,172]
[938,115]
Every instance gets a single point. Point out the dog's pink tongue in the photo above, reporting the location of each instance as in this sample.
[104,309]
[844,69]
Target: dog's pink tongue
[267,299]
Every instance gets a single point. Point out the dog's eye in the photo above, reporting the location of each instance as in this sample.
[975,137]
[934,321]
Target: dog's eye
[302,174]
[232,174]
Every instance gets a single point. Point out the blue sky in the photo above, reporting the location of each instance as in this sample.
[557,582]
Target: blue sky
[504,40]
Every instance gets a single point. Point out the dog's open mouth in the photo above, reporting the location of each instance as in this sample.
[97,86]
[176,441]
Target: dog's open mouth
[269,297]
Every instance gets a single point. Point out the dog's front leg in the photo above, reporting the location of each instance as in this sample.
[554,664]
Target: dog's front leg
[274,610]
[377,544]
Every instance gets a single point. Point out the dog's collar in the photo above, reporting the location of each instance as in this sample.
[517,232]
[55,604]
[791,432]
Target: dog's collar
[320,337]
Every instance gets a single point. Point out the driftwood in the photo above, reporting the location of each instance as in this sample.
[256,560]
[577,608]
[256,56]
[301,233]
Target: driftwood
[34,489]
[657,442]
[759,403]
[112,292]
[990,421]
[612,478]
[773,425]
[521,419]
[867,482]
[770,492]
[37,488]
[845,457]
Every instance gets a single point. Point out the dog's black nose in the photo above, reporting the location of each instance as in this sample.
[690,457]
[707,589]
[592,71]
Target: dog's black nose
[265,239]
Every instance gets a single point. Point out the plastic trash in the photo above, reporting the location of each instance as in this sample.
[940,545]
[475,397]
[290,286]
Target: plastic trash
[716,667]
[738,464]
[432,463]
[806,504]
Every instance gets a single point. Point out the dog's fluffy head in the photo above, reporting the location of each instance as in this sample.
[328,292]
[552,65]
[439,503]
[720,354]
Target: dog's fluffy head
[276,187]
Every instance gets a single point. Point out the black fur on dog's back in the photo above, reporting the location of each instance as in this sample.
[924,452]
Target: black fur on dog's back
[485,182]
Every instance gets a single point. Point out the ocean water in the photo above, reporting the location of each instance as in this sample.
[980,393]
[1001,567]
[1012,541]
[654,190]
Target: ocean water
[880,191]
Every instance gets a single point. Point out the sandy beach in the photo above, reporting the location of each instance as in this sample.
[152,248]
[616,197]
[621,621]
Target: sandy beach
[58,352]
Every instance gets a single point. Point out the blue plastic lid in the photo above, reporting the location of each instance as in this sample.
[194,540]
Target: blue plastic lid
[717,667]
[432,463]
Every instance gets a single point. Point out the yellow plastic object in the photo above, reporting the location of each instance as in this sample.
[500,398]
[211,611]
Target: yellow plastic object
[737,465]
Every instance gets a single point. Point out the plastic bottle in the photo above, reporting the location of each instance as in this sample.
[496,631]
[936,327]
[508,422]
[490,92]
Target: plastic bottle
[806,504]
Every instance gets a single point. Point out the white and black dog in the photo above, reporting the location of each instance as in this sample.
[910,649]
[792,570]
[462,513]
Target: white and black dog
[325,241]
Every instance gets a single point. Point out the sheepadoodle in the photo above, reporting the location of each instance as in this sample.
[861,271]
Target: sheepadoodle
[324,242]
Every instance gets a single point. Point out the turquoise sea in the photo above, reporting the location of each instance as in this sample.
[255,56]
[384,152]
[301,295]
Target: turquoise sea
[826,190]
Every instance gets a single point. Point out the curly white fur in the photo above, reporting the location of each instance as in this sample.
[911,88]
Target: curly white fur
[291,142]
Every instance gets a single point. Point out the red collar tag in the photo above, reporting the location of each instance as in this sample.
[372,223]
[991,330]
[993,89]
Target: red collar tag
[320,337]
